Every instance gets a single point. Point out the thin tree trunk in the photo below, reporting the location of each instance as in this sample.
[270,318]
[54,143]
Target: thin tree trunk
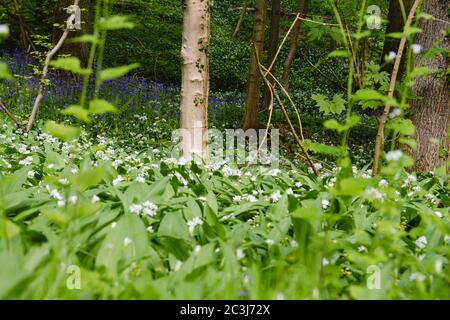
[25,39]
[431,106]
[303,9]
[79,50]
[195,78]
[273,45]
[241,19]
[254,78]
[395,24]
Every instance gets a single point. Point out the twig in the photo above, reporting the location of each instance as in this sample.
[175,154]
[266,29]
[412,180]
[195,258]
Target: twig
[241,19]
[379,142]
[10,115]
[40,95]
[283,109]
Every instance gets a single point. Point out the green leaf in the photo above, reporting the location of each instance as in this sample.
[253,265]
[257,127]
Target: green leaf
[64,133]
[420,72]
[173,225]
[125,243]
[368,94]
[326,106]
[71,64]
[8,229]
[78,112]
[115,23]
[86,179]
[99,106]
[85,38]
[322,148]
[404,127]
[338,53]
[114,73]
[333,124]
[4,72]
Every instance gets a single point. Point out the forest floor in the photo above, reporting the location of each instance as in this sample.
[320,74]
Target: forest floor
[114,215]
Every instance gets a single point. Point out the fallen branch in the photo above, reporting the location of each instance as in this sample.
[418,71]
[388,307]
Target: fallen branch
[379,142]
[40,95]
[10,115]
[264,72]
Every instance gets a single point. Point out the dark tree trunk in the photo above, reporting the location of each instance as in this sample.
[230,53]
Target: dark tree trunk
[273,45]
[431,106]
[395,24]
[303,9]
[79,50]
[254,77]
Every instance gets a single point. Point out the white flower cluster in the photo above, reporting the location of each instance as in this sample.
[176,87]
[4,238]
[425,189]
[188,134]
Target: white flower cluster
[147,208]
[194,223]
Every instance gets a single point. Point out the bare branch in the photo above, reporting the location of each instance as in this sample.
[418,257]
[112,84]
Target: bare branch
[379,142]
[40,95]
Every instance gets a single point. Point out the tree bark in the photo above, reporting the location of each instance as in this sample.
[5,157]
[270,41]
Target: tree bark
[254,78]
[195,78]
[431,106]
[303,9]
[273,45]
[79,50]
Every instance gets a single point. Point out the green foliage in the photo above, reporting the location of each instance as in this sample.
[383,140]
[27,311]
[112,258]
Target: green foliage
[336,106]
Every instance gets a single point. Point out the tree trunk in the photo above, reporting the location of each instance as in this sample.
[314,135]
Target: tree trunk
[195,78]
[79,50]
[431,106]
[302,9]
[395,24]
[25,39]
[254,78]
[273,45]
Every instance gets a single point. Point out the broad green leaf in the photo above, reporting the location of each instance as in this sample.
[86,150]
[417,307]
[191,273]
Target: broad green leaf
[86,179]
[403,126]
[114,73]
[4,72]
[115,23]
[338,53]
[173,225]
[368,94]
[8,229]
[419,72]
[326,106]
[125,243]
[99,106]
[85,38]
[71,64]
[322,148]
[63,132]
[78,112]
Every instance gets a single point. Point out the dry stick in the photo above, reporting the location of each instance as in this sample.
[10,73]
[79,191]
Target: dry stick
[299,142]
[272,93]
[286,93]
[270,104]
[282,43]
[241,19]
[40,95]
[268,72]
[10,115]
[379,142]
